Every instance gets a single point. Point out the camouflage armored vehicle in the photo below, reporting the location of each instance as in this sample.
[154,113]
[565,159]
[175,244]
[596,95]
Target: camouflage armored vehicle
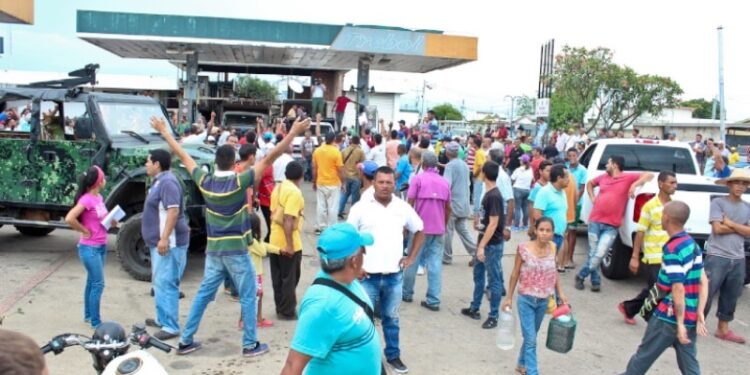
[59,134]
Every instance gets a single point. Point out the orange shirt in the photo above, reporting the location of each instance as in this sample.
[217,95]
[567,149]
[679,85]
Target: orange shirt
[570,194]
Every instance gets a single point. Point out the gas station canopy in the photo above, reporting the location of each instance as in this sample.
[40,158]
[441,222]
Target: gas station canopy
[225,44]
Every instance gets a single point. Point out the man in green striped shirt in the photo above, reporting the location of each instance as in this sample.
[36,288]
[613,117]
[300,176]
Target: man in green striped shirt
[229,234]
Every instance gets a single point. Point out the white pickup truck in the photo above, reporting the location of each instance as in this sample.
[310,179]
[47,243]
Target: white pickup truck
[653,156]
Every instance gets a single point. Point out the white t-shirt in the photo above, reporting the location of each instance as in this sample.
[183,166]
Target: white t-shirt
[195,139]
[562,140]
[318,90]
[279,167]
[223,138]
[572,142]
[377,154]
[386,224]
[522,178]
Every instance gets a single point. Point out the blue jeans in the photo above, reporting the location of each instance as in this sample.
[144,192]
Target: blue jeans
[167,272]
[492,267]
[478,189]
[558,240]
[601,237]
[521,196]
[430,256]
[659,336]
[242,272]
[93,259]
[385,289]
[726,277]
[352,189]
[531,314]
[308,168]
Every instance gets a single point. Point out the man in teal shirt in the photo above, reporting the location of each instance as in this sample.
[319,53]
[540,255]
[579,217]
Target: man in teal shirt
[552,203]
[335,335]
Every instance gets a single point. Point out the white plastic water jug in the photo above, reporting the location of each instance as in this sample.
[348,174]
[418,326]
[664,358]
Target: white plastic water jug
[506,331]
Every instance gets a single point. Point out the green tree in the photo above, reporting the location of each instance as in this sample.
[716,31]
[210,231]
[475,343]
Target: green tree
[447,112]
[255,88]
[702,108]
[586,79]
[525,106]
[578,75]
[626,95]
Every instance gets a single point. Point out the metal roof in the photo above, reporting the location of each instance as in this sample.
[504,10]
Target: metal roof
[234,43]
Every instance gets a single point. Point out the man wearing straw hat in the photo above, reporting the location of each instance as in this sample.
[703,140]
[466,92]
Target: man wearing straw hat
[725,256]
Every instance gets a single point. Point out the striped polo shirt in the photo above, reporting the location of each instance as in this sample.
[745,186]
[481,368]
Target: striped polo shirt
[227,219]
[654,235]
[682,263]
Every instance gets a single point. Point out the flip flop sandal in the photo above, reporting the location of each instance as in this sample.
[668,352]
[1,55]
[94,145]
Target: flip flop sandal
[731,337]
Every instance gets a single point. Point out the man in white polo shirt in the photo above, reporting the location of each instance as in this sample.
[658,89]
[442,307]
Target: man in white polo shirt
[385,217]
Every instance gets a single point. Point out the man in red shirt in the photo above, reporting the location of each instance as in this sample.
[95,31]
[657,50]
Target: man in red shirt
[536,159]
[615,188]
[340,107]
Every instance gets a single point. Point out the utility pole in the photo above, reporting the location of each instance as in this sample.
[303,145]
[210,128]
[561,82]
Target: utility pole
[722,108]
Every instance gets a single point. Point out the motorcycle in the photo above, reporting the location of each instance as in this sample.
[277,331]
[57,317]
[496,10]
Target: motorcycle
[109,348]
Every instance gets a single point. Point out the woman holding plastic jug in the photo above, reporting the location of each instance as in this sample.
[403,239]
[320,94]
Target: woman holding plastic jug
[537,278]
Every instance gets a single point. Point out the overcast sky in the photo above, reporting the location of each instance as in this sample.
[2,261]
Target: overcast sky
[672,38]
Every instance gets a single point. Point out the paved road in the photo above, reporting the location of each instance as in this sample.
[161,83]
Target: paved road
[432,343]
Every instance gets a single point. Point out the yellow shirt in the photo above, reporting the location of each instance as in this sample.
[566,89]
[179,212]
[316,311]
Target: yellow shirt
[479,159]
[257,251]
[328,160]
[287,196]
[734,158]
[655,236]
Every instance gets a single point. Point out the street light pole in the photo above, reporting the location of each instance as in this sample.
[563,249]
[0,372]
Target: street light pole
[722,108]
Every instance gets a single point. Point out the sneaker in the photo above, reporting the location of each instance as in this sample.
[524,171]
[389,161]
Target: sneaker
[596,288]
[164,335]
[341,216]
[621,309]
[182,295]
[318,231]
[471,313]
[234,298]
[398,366]
[579,283]
[407,299]
[152,323]
[420,271]
[489,323]
[183,349]
[430,307]
[255,351]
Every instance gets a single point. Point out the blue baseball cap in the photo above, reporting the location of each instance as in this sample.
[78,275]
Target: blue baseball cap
[342,240]
[267,136]
[369,168]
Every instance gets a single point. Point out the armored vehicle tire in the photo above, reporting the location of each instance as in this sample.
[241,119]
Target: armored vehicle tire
[134,255]
[616,260]
[34,231]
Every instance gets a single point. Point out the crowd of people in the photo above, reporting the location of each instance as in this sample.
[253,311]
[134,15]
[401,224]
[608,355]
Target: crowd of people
[407,191]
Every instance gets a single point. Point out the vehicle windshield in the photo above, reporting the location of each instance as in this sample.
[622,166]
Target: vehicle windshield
[129,117]
[240,119]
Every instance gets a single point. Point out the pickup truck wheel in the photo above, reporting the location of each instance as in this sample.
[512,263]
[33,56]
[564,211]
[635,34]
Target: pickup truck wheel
[34,231]
[615,263]
[134,255]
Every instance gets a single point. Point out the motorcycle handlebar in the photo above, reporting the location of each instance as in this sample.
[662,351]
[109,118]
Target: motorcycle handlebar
[158,344]
[46,349]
